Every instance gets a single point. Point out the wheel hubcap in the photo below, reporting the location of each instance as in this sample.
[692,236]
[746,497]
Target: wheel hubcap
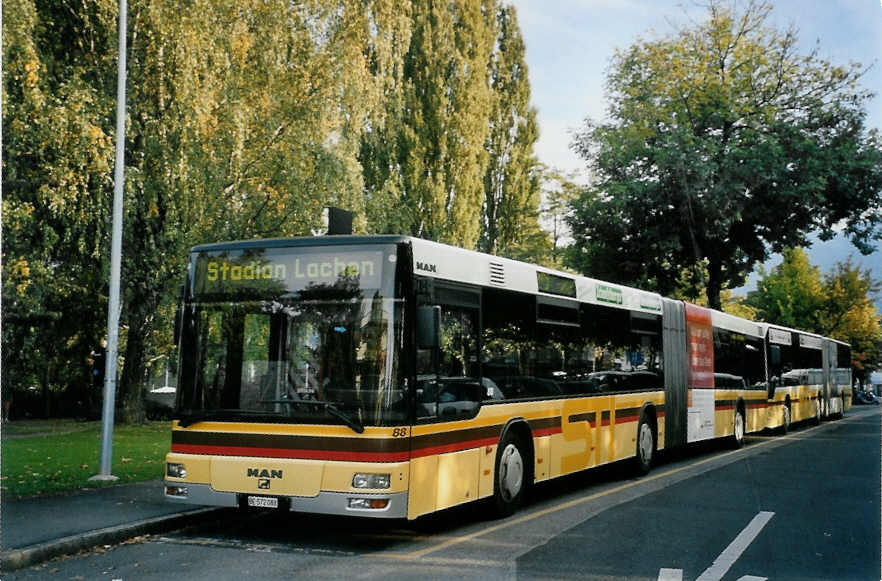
[787,417]
[511,472]
[739,427]
[645,443]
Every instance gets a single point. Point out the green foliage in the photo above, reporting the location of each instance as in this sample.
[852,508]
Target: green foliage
[792,295]
[838,304]
[510,216]
[244,120]
[722,144]
[53,457]
[56,158]
[559,191]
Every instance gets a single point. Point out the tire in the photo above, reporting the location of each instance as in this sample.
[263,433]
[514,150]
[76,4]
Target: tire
[645,449]
[510,479]
[817,419]
[788,418]
[738,428]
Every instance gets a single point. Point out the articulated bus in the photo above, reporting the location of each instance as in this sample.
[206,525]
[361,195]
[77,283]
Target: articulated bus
[810,374]
[389,376]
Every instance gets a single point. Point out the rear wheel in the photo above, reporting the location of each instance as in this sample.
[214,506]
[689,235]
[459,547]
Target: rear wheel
[738,429]
[510,480]
[817,419]
[645,445]
[788,417]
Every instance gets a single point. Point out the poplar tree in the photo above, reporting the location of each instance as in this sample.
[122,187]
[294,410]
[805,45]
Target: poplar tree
[447,103]
[511,183]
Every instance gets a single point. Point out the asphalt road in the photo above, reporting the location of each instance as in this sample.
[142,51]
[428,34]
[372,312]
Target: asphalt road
[803,506]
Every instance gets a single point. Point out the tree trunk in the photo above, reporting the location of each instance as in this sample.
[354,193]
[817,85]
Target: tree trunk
[131,385]
[714,282]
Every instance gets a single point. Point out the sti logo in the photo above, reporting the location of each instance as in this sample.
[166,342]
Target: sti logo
[426,267]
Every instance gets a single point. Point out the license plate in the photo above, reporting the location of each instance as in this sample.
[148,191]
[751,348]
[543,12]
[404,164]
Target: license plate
[263,502]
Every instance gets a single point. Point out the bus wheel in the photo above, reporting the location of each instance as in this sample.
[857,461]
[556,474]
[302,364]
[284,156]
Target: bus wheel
[509,481]
[817,419]
[738,429]
[788,416]
[645,445]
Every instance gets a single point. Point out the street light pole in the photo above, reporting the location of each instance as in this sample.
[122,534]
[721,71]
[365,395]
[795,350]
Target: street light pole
[110,363]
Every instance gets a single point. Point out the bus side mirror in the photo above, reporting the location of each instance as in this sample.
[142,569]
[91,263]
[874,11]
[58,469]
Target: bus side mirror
[428,327]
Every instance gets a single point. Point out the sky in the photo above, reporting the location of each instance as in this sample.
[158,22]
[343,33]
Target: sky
[569,44]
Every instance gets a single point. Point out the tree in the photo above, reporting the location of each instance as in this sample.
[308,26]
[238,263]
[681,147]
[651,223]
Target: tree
[447,100]
[559,190]
[56,163]
[792,294]
[509,218]
[850,315]
[721,145]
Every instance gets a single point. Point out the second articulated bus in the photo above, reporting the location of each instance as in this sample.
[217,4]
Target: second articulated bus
[389,376]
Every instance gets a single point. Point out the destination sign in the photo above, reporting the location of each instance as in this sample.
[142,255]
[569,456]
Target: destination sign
[556,285]
[810,342]
[281,271]
[780,337]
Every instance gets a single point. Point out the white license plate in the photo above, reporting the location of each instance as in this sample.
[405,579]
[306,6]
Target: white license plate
[263,502]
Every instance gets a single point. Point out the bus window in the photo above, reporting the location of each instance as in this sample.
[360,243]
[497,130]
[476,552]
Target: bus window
[738,360]
[451,390]
[626,350]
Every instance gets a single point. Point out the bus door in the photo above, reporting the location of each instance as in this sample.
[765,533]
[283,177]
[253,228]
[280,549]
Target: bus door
[445,466]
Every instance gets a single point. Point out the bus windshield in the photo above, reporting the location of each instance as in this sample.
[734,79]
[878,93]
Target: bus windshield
[320,351]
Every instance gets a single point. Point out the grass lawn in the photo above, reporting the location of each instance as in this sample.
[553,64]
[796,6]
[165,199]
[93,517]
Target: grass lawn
[52,456]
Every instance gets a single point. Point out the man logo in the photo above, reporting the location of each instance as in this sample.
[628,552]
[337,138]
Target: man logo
[426,267]
[263,484]
[263,473]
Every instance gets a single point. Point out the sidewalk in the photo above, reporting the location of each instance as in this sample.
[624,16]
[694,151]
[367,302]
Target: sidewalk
[37,529]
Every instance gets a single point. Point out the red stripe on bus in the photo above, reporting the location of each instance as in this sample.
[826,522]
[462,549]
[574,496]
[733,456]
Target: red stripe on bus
[547,431]
[453,447]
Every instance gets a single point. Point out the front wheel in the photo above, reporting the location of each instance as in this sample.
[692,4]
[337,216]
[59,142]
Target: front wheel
[645,445]
[511,475]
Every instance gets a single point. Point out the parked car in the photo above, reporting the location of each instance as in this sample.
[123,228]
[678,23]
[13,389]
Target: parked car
[865,398]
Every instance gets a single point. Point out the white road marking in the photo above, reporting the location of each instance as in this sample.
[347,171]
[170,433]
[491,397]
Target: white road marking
[731,553]
[670,574]
[753,578]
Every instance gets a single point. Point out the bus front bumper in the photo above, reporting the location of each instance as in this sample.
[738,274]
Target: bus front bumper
[336,503]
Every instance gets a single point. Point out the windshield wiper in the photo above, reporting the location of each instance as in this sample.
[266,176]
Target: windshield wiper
[331,409]
[195,418]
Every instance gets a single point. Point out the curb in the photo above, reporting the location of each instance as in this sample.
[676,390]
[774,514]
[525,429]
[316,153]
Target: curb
[19,558]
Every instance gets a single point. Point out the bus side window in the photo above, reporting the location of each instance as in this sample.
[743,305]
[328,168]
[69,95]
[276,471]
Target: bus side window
[453,390]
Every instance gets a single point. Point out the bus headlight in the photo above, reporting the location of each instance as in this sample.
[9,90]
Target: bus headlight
[175,470]
[375,481]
